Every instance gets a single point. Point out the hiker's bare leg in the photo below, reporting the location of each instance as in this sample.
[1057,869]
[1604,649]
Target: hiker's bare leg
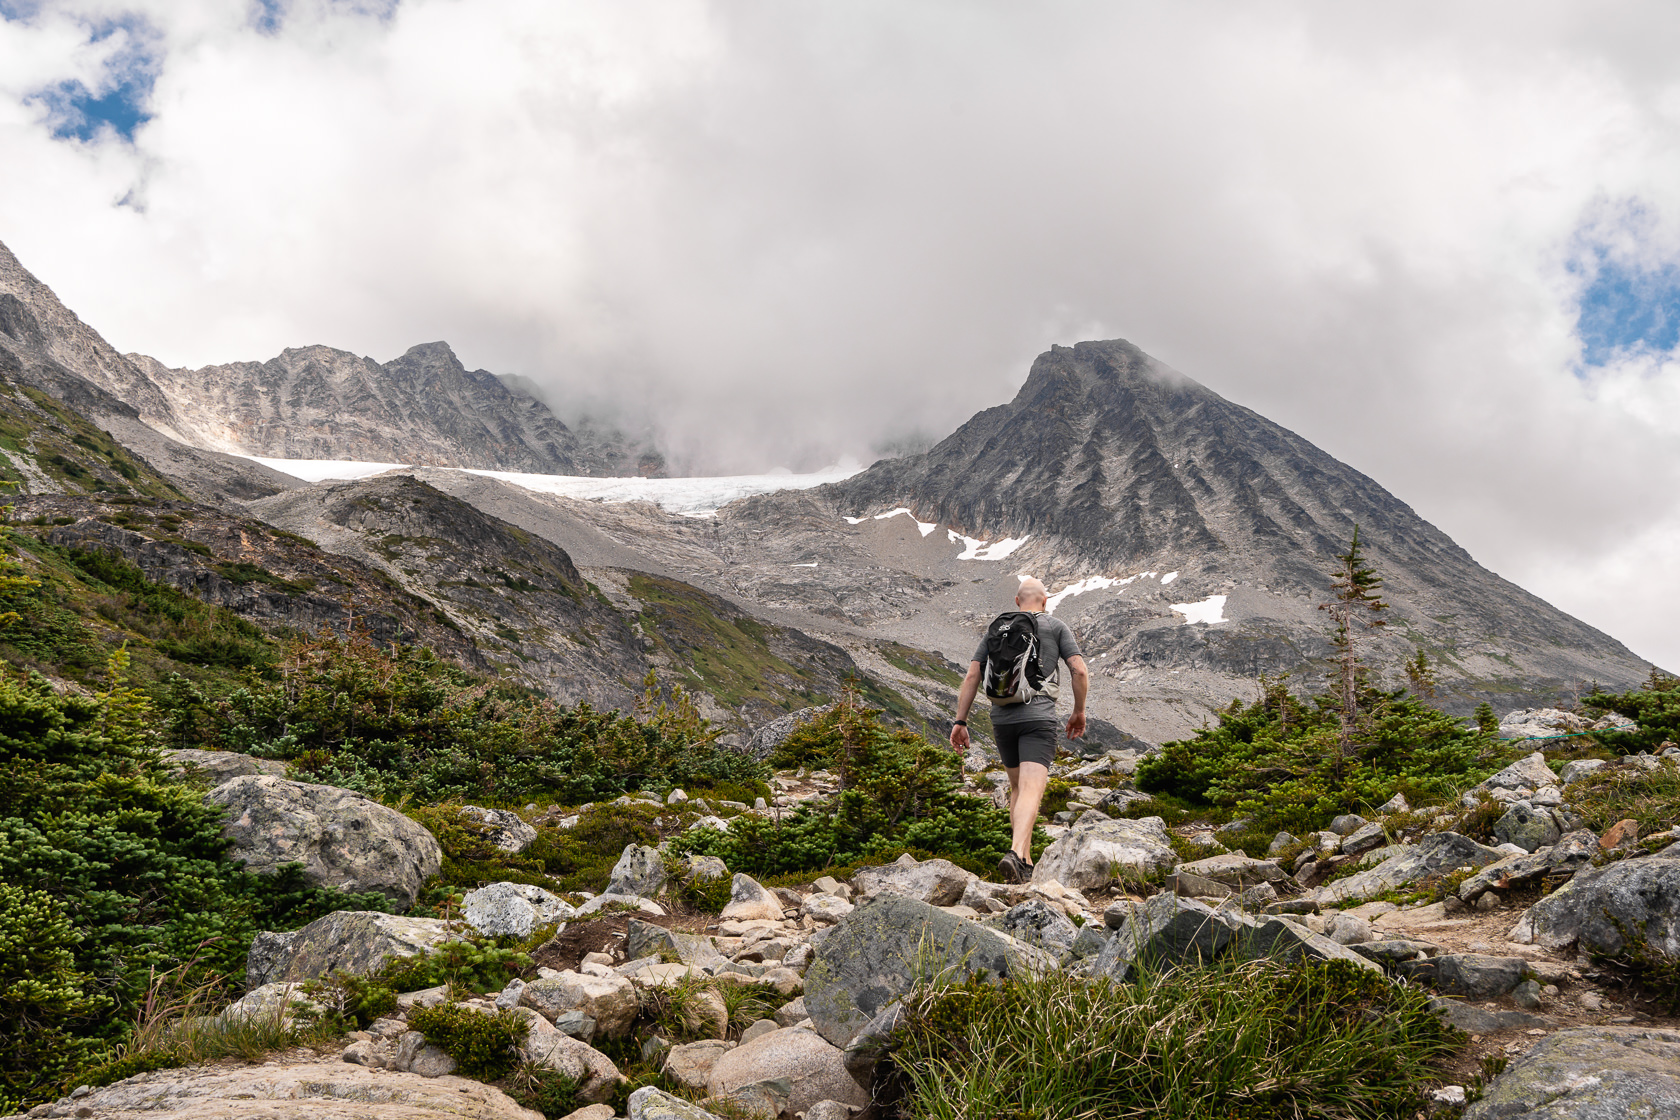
[1026,790]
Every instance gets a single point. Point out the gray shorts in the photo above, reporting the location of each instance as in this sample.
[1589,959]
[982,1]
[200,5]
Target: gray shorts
[1028,742]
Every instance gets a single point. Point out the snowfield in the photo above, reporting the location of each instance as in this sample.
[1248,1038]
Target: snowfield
[693,497]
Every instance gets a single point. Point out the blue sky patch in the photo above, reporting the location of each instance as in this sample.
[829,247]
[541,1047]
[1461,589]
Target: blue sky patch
[1629,308]
[120,100]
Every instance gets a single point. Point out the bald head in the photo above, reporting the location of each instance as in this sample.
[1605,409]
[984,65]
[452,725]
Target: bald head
[1031,595]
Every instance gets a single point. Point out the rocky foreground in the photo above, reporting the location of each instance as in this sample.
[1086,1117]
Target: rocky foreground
[1512,966]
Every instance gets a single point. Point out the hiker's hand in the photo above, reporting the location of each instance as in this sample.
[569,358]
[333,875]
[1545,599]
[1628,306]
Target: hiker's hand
[959,738]
[1076,725]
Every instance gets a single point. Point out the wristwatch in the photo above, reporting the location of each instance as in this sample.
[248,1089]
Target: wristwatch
[960,723]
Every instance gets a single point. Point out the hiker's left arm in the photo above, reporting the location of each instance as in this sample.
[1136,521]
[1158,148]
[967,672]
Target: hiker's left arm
[1081,684]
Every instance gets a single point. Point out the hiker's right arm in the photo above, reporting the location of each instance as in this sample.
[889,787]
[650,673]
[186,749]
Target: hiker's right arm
[965,701]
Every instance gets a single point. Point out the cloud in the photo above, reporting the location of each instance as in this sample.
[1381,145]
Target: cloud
[795,231]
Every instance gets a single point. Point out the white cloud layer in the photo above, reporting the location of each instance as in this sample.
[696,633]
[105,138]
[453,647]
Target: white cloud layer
[797,230]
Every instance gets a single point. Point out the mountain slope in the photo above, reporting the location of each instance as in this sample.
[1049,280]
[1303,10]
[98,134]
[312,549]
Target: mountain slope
[44,345]
[1113,465]
[315,402]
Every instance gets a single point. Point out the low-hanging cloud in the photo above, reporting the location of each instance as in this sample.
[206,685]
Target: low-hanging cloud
[785,233]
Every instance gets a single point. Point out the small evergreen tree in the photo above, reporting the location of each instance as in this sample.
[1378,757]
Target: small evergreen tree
[1420,672]
[1354,606]
[1486,721]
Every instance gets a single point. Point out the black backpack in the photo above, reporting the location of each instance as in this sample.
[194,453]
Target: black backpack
[1012,673]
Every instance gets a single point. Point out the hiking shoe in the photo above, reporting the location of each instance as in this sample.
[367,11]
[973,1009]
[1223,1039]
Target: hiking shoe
[1014,869]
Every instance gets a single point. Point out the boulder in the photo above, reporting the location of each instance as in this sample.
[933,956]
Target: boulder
[1235,869]
[1526,827]
[640,871]
[1347,824]
[1363,839]
[1038,923]
[621,902]
[1567,856]
[1195,886]
[1441,851]
[1096,849]
[1279,842]
[220,766]
[769,736]
[416,1055]
[513,909]
[1348,929]
[937,882]
[644,939]
[1588,1072]
[1471,1019]
[690,1064]
[1168,931]
[1577,768]
[1526,773]
[879,951]
[1280,940]
[825,909]
[343,839]
[594,1072]
[750,900]
[705,869]
[1640,893]
[649,1103]
[503,828]
[269,1003]
[791,1013]
[353,941]
[330,1089]
[610,1000]
[1471,975]
[811,1064]
[1395,804]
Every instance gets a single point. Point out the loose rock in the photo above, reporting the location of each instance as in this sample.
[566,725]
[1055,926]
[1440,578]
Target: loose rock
[506,829]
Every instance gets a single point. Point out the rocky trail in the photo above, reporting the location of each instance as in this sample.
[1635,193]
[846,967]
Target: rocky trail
[1505,936]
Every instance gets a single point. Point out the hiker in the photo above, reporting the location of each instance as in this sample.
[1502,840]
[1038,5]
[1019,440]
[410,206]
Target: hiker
[1023,697]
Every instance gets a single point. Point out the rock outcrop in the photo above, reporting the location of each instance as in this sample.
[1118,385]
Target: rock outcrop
[1588,1072]
[342,838]
[1640,894]
[353,941]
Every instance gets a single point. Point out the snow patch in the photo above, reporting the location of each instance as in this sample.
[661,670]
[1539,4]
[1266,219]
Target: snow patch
[812,564]
[925,526]
[692,497]
[983,550]
[1095,583]
[1168,578]
[1210,610]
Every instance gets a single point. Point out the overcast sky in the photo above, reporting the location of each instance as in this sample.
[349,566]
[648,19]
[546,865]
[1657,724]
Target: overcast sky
[1441,241]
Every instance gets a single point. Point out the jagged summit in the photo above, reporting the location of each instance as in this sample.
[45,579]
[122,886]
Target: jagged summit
[317,402]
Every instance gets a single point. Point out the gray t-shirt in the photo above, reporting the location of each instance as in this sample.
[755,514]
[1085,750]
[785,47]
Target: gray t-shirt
[1055,642]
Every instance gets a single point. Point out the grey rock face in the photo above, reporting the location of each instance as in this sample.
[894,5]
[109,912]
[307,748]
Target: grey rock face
[1037,923]
[219,766]
[512,909]
[1586,1073]
[1476,1020]
[749,899]
[1568,855]
[1168,931]
[1347,824]
[353,941]
[1637,892]
[342,838]
[1441,851]
[509,832]
[1528,828]
[1471,975]
[610,1000]
[812,1065]
[769,736]
[937,882]
[1285,941]
[640,870]
[594,1072]
[1365,838]
[1525,773]
[1577,768]
[653,1104]
[877,953]
[1235,870]
[1096,849]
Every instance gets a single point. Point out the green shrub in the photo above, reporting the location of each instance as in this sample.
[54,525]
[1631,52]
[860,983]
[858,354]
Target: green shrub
[484,1045]
[1253,1039]
[1276,760]
[46,1005]
[1655,708]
